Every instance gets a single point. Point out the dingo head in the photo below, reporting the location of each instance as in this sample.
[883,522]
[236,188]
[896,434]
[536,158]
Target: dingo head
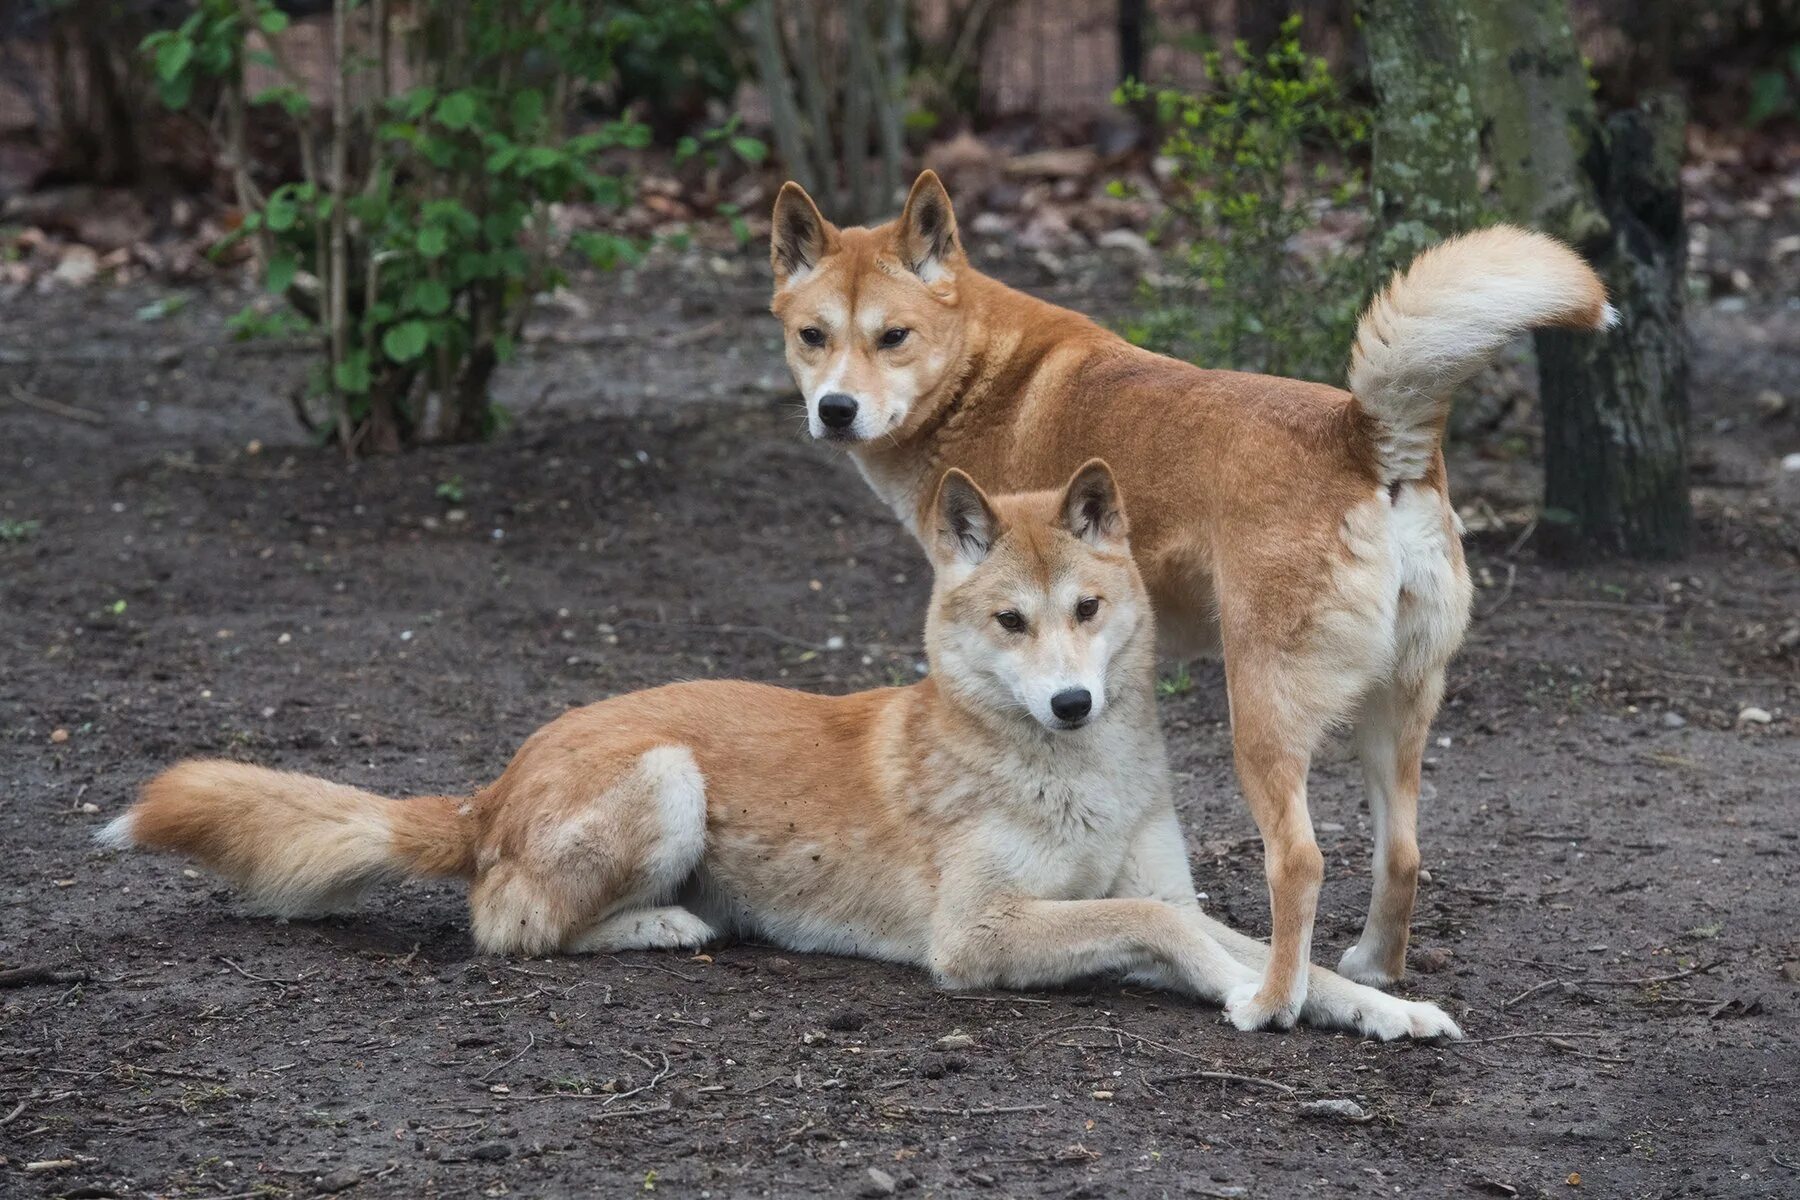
[1037,607]
[870,315]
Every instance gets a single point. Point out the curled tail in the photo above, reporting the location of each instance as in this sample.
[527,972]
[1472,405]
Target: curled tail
[295,844]
[1444,317]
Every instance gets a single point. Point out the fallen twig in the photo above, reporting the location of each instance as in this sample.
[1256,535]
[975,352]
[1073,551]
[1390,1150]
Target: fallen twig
[26,976]
[530,1041]
[1002,999]
[261,978]
[1507,1037]
[986,1110]
[56,408]
[654,967]
[1227,1076]
[1116,1032]
[643,1110]
[1639,981]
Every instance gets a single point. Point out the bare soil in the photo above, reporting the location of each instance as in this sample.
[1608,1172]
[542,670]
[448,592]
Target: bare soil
[1612,850]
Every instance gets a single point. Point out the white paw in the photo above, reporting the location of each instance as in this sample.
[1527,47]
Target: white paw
[680,928]
[1366,967]
[1244,1009]
[1387,1019]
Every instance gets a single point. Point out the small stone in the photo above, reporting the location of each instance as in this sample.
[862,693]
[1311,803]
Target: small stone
[1343,1110]
[1673,720]
[1753,715]
[1128,240]
[1424,875]
[879,1183]
[59,736]
[1790,971]
[340,1180]
[78,267]
[90,808]
[847,1020]
[1791,462]
[491,1152]
[1430,960]
[1101,1094]
[956,1039]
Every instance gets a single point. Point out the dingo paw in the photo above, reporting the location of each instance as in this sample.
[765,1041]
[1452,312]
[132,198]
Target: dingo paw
[1249,1009]
[1366,967]
[1395,1019]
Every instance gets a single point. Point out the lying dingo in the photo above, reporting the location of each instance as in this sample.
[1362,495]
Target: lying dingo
[1006,822]
[1305,530]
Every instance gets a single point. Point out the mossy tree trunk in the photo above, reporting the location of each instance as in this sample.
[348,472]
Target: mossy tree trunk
[1614,403]
[1426,133]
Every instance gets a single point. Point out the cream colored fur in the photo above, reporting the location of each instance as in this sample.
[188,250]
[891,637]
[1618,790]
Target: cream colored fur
[962,825]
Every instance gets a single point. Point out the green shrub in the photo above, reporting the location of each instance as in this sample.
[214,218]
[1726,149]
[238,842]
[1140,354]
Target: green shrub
[413,242]
[1242,190]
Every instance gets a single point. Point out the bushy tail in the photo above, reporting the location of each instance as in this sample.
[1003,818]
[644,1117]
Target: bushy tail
[1445,316]
[295,844]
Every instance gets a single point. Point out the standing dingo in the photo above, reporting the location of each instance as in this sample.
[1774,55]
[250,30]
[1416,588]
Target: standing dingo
[1305,530]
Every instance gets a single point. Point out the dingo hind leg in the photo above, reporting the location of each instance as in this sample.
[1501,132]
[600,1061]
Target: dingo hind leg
[1394,719]
[1390,740]
[599,866]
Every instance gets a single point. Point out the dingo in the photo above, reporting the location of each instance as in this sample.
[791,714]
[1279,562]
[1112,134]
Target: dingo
[1304,530]
[1006,822]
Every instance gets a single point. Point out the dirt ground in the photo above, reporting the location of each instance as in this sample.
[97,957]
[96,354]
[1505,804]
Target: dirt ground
[1612,848]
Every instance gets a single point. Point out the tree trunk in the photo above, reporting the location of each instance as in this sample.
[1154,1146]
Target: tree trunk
[1614,403]
[1426,136]
[1131,21]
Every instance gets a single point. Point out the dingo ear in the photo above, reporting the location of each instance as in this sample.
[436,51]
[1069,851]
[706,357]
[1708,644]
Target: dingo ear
[927,232]
[967,526]
[799,236]
[1091,508]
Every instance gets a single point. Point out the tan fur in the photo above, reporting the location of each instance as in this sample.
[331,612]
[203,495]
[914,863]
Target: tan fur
[962,824]
[1305,530]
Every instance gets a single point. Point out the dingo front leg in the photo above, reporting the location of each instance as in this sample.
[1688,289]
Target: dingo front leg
[1157,867]
[1024,943]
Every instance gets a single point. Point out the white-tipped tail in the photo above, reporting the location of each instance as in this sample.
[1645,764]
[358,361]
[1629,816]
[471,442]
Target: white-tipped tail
[295,845]
[117,833]
[1445,316]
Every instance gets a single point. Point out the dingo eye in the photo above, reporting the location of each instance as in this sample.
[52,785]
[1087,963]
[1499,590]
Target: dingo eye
[893,337]
[1010,621]
[812,335]
[1087,608]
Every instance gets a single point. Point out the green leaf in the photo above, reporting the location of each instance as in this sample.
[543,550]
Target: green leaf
[1768,96]
[433,241]
[282,269]
[527,109]
[172,58]
[281,213]
[175,93]
[273,21]
[405,341]
[429,297]
[751,150]
[456,111]
[352,375]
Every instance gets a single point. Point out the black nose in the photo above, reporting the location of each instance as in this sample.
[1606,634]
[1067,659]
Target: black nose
[837,410]
[1071,705]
